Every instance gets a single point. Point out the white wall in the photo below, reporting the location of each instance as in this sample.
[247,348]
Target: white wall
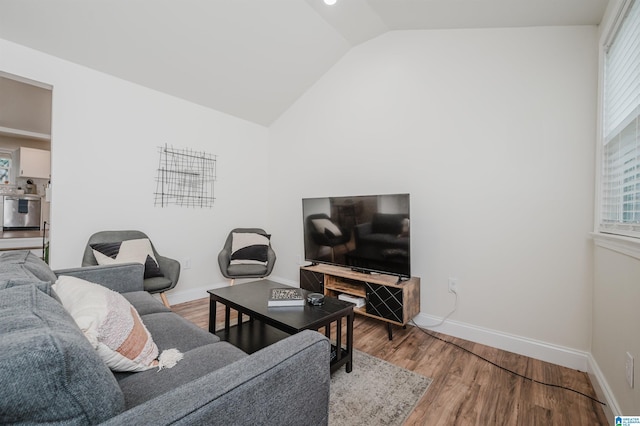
[615,325]
[492,133]
[105,138]
[616,296]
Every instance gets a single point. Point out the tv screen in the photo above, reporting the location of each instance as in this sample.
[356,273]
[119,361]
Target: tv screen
[368,233]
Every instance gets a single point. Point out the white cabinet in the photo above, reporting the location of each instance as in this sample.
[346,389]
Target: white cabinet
[25,108]
[35,163]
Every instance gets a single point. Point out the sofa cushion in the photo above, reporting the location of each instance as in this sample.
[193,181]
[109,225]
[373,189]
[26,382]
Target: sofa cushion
[44,286]
[141,387]
[145,303]
[110,324]
[22,264]
[249,248]
[138,251]
[50,373]
[170,330]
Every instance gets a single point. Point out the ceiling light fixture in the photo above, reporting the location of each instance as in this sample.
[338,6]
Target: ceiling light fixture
[330,2]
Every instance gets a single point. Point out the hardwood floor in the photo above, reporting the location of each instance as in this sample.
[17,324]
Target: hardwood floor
[466,390]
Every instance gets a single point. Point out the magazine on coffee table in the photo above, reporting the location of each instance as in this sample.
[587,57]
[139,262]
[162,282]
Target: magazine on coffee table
[286,297]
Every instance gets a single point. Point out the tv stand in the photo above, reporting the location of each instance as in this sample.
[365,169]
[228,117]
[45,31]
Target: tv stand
[387,298]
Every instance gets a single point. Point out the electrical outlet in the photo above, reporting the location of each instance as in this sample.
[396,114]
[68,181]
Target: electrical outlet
[628,368]
[453,285]
[187,264]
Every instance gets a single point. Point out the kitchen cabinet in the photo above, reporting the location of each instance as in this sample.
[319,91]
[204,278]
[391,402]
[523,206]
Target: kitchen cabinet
[34,163]
[25,108]
[25,115]
[24,134]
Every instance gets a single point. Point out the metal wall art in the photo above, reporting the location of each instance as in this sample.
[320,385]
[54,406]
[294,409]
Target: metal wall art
[185,178]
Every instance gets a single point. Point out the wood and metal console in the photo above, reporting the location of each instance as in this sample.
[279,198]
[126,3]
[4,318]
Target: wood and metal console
[386,298]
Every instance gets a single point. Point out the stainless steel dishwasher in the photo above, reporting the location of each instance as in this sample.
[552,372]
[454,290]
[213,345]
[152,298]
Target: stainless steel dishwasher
[21,212]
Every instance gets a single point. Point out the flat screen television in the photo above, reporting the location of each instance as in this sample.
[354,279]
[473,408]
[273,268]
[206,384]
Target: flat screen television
[367,233]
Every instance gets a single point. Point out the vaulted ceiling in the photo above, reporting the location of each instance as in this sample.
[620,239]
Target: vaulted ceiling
[248,58]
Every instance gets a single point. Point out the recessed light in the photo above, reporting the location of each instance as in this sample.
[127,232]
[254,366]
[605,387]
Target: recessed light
[330,2]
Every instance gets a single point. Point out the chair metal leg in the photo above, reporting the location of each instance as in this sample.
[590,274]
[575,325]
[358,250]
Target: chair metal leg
[165,300]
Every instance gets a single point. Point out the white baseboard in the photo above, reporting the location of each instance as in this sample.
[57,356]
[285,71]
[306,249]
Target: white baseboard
[571,358]
[603,391]
[176,295]
[181,296]
[292,283]
[560,355]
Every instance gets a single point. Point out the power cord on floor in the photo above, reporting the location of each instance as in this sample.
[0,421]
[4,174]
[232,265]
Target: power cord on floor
[501,367]
[446,317]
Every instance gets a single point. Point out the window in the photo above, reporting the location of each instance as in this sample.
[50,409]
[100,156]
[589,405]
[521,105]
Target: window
[5,168]
[620,197]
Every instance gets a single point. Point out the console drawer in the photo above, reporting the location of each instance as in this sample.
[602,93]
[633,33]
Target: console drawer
[312,281]
[384,301]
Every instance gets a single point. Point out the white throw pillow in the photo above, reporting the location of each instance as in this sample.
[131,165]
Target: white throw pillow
[110,323]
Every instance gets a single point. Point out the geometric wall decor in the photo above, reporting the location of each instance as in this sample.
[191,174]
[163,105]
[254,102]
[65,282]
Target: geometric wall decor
[185,178]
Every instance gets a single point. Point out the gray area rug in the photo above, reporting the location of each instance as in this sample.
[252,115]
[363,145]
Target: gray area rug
[374,393]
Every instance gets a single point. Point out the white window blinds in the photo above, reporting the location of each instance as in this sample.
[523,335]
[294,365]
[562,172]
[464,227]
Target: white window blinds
[620,206]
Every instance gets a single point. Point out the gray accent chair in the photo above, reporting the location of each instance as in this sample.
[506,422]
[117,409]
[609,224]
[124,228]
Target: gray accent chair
[244,271]
[170,268]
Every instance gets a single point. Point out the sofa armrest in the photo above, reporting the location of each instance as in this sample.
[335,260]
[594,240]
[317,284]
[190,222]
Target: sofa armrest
[286,383]
[123,278]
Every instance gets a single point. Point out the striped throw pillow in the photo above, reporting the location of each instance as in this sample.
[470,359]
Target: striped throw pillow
[110,323]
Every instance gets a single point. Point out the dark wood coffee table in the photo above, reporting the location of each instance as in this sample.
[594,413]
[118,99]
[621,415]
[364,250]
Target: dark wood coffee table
[268,325]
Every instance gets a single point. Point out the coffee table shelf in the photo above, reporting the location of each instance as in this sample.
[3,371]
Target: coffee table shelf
[251,336]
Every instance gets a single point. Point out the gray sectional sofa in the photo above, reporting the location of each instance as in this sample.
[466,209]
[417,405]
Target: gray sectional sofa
[51,374]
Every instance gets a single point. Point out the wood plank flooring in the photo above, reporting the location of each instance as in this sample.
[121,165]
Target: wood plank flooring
[466,390]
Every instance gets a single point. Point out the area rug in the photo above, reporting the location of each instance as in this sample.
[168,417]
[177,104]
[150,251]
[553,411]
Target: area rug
[374,393]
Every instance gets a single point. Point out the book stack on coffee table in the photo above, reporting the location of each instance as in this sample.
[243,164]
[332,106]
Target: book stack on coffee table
[286,297]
